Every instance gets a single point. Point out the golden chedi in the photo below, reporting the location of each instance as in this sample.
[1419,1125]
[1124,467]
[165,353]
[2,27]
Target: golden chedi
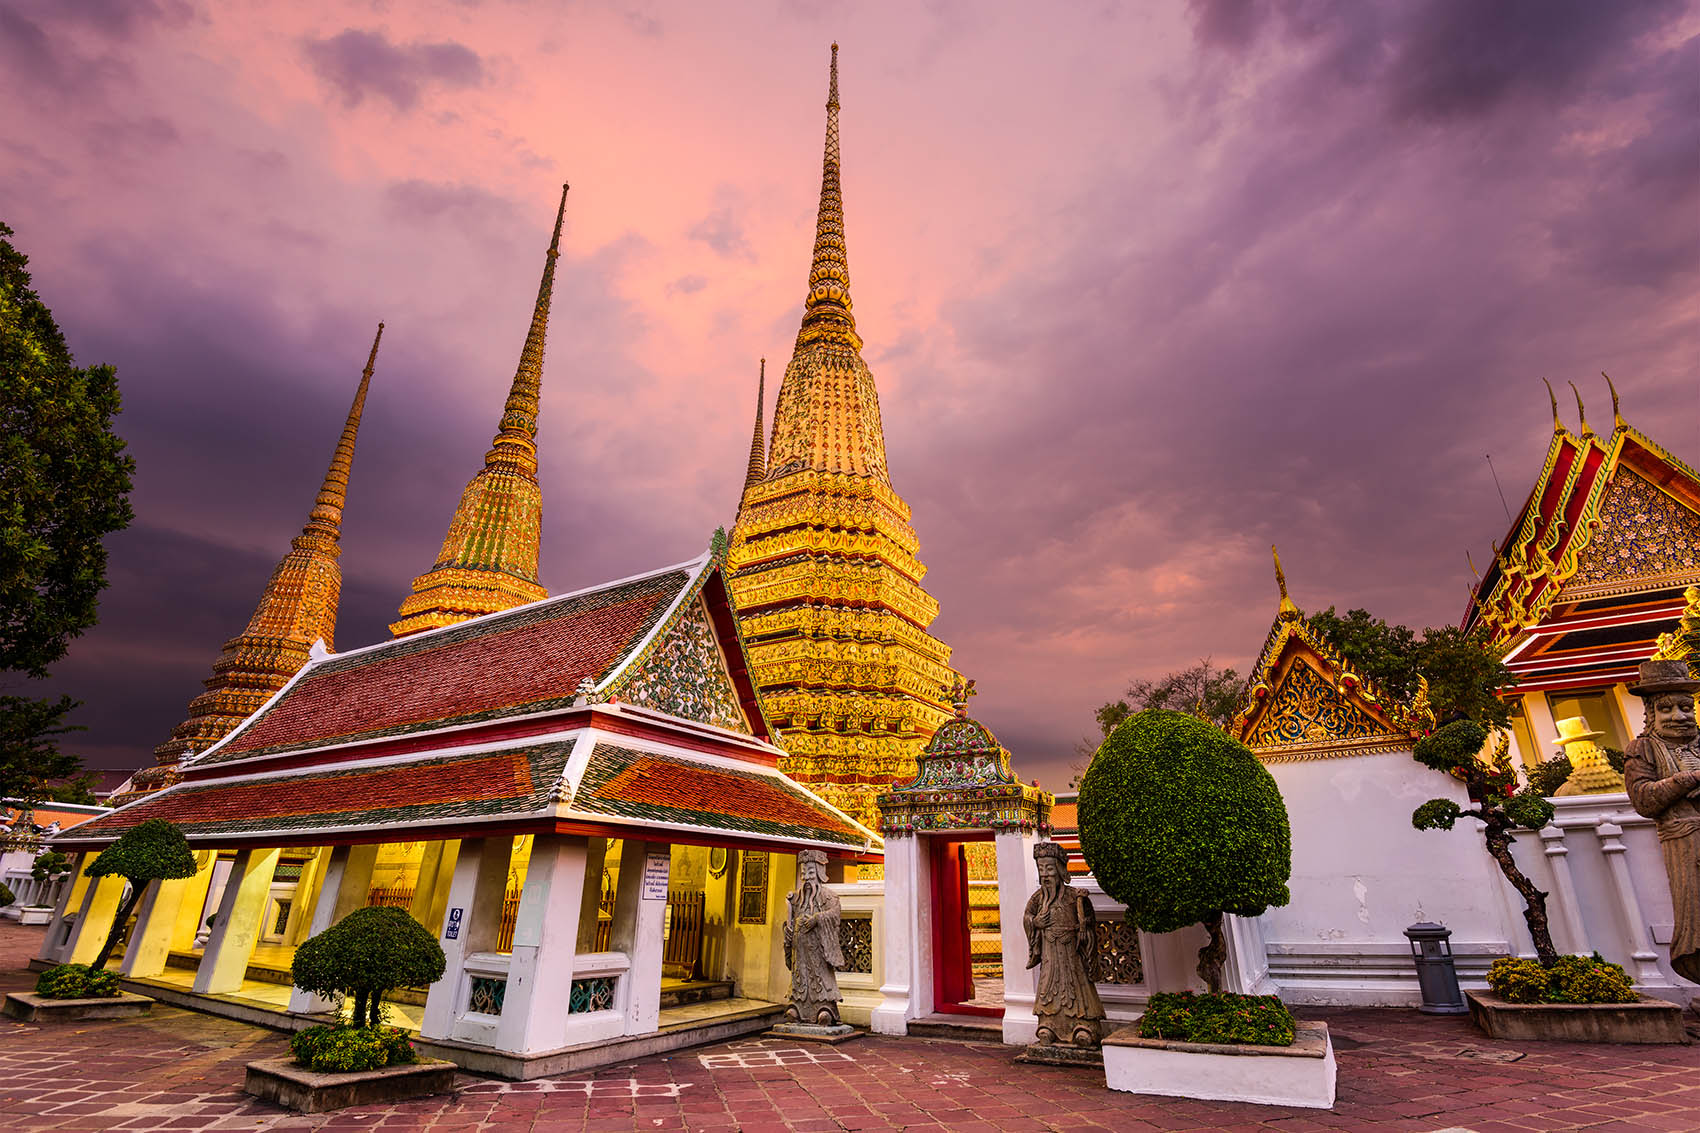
[489,556]
[823,566]
[297,608]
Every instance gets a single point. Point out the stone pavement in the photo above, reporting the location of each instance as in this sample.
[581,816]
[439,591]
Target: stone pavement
[1398,1071]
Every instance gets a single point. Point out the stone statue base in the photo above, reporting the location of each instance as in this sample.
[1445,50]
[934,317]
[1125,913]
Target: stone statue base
[815,1032]
[1057,1054]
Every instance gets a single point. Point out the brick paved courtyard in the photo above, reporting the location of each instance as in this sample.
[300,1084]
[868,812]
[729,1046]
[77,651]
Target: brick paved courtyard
[1398,1071]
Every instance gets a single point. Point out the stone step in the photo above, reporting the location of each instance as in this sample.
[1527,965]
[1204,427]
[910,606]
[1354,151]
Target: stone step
[696,991]
[958,1028]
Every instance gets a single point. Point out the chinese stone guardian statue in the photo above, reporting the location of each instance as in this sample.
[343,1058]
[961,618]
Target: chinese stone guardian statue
[813,950]
[1662,776]
[1062,942]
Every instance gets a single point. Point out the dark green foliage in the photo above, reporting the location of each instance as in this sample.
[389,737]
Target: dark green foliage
[1386,654]
[1181,824]
[64,480]
[1221,1018]
[1567,979]
[1452,747]
[1436,814]
[345,1049]
[79,789]
[1199,690]
[1528,810]
[366,954]
[1615,758]
[6,895]
[152,851]
[1463,670]
[50,864]
[76,981]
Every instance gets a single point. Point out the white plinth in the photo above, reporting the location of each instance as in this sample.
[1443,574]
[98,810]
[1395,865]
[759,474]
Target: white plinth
[1298,1075]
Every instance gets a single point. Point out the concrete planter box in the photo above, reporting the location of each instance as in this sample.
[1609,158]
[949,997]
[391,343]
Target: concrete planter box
[35,914]
[295,1087]
[1648,1021]
[29,1007]
[1297,1075]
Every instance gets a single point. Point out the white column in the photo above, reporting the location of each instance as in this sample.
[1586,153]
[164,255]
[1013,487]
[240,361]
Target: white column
[639,912]
[1247,969]
[52,941]
[907,990]
[540,973]
[590,896]
[215,894]
[1541,724]
[1564,888]
[189,915]
[1647,972]
[94,920]
[356,883]
[470,924]
[241,911]
[330,885]
[156,919]
[1018,879]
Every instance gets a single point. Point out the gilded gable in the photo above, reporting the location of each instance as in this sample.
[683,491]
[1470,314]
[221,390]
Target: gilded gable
[683,674]
[1643,532]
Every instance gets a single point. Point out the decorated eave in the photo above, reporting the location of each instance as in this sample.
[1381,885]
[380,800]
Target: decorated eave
[1607,520]
[1304,702]
[964,781]
[623,706]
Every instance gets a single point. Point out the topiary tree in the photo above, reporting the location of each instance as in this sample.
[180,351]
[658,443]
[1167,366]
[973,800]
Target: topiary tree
[153,851]
[49,865]
[1181,823]
[364,955]
[1499,803]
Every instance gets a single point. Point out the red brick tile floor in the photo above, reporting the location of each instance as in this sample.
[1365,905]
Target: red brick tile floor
[1399,1070]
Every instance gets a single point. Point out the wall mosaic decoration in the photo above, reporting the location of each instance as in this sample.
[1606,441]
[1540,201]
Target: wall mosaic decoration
[487,995]
[1119,961]
[1305,708]
[856,937]
[1643,531]
[594,994]
[683,675]
[752,887]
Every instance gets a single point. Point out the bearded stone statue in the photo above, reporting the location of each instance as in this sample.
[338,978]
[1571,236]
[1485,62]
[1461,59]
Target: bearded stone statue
[1062,942]
[1662,776]
[813,950]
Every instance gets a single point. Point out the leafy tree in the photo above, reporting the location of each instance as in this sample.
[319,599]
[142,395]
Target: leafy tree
[64,482]
[364,955]
[1181,823]
[1199,690]
[79,789]
[49,865]
[1465,673]
[153,851]
[1499,803]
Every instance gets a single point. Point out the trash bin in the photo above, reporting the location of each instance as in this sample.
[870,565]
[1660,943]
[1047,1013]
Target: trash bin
[1437,976]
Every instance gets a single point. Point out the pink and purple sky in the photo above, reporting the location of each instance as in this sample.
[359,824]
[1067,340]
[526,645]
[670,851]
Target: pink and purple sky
[1145,287]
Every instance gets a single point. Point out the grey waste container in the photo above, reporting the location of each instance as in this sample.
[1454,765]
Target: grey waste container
[1436,974]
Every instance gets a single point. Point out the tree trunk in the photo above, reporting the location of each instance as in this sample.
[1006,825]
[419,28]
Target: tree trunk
[376,1018]
[359,1019]
[1534,899]
[1213,955]
[123,915]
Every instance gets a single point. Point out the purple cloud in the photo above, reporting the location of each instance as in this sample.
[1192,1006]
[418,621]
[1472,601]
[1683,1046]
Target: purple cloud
[358,63]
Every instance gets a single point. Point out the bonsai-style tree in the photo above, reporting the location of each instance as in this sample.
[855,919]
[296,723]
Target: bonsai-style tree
[152,851]
[1181,823]
[49,865]
[1499,803]
[364,955]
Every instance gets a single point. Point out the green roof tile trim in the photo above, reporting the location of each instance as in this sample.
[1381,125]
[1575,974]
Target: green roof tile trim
[488,784]
[648,787]
[526,660]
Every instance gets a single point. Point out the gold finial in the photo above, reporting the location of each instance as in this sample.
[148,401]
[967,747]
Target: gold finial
[758,459]
[1587,429]
[1288,611]
[826,311]
[516,439]
[1617,421]
[1471,560]
[1557,425]
[324,524]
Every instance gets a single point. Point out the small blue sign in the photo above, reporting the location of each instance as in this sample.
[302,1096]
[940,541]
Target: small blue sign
[454,915]
[452,932]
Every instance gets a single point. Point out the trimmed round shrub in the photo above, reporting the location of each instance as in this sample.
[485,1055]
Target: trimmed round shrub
[76,981]
[366,954]
[1452,747]
[1220,1018]
[344,1049]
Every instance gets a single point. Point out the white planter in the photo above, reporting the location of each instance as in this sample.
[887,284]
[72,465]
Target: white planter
[35,914]
[1299,1075]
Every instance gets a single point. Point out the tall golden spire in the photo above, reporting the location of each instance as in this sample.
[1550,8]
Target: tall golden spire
[758,458]
[297,608]
[1288,611]
[826,311]
[489,557]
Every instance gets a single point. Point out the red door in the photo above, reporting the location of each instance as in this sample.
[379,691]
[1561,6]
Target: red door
[953,958]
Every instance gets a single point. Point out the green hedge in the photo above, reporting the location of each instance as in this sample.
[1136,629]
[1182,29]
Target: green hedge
[346,1049]
[76,981]
[1569,979]
[1261,1020]
[1179,821]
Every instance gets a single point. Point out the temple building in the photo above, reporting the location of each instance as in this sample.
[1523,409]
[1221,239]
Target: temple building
[823,560]
[1591,573]
[297,608]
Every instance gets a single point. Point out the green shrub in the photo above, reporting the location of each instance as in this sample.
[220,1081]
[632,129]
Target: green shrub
[76,981]
[150,851]
[345,1049]
[1219,1018]
[6,895]
[1569,979]
[1181,823]
[366,954]
[50,864]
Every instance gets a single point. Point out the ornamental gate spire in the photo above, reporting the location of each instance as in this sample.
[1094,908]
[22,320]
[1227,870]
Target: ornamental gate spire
[489,556]
[758,458]
[297,608]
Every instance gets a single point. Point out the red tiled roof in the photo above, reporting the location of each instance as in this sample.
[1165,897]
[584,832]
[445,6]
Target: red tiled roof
[527,660]
[485,784]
